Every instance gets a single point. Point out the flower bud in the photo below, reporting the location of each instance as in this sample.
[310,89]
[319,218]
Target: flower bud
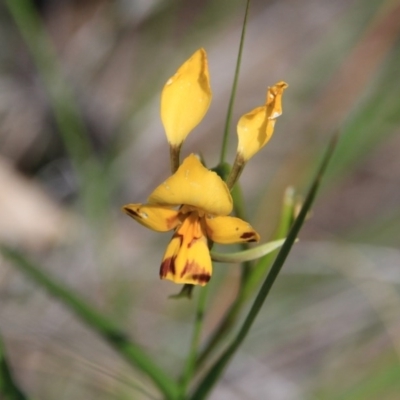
[256,127]
[185,98]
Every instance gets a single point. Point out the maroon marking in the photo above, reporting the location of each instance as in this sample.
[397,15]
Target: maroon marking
[170,221]
[180,236]
[185,269]
[168,265]
[132,212]
[249,236]
[202,278]
[192,242]
[190,266]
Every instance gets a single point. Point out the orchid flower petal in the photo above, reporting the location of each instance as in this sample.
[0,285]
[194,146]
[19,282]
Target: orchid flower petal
[195,186]
[187,259]
[185,98]
[226,230]
[160,219]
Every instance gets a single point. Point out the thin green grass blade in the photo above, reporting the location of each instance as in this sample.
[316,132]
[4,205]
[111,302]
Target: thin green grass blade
[9,389]
[95,320]
[213,375]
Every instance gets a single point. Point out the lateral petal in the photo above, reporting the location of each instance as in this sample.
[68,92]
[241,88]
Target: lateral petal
[187,258]
[226,230]
[196,186]
[157,218]
[185,98]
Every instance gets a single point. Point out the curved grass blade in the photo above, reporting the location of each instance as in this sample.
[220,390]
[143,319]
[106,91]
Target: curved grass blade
[9,390]
[213,375]
[98,322]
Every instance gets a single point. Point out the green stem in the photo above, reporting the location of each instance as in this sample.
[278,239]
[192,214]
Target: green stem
[96,321]
[234,87]
[230,316]
[235,172]
[191,358]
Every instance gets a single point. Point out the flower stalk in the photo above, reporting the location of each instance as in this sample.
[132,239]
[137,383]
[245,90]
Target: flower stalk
[236,171]
[174,154]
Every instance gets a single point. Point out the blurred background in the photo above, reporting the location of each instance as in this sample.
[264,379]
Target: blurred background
[80,135]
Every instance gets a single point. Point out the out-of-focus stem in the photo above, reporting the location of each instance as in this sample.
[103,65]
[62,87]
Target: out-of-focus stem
[194,347]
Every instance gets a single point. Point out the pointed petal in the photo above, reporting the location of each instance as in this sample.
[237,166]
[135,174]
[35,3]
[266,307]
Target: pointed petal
[185,98]
[226,230]
[160,219]
[187,258]
[273,100]
[196,186]
[255,128]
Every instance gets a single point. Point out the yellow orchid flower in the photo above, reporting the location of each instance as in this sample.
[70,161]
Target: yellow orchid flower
[255,128]
[185,98]
[195,202]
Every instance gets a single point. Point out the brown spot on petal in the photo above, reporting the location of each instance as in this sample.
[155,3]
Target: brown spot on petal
[168,265]
[178,235]
[131,212]
[194,271]
[171,222]
[190,267]
[185,270]
[201,278]
[192,242]
[249,236]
